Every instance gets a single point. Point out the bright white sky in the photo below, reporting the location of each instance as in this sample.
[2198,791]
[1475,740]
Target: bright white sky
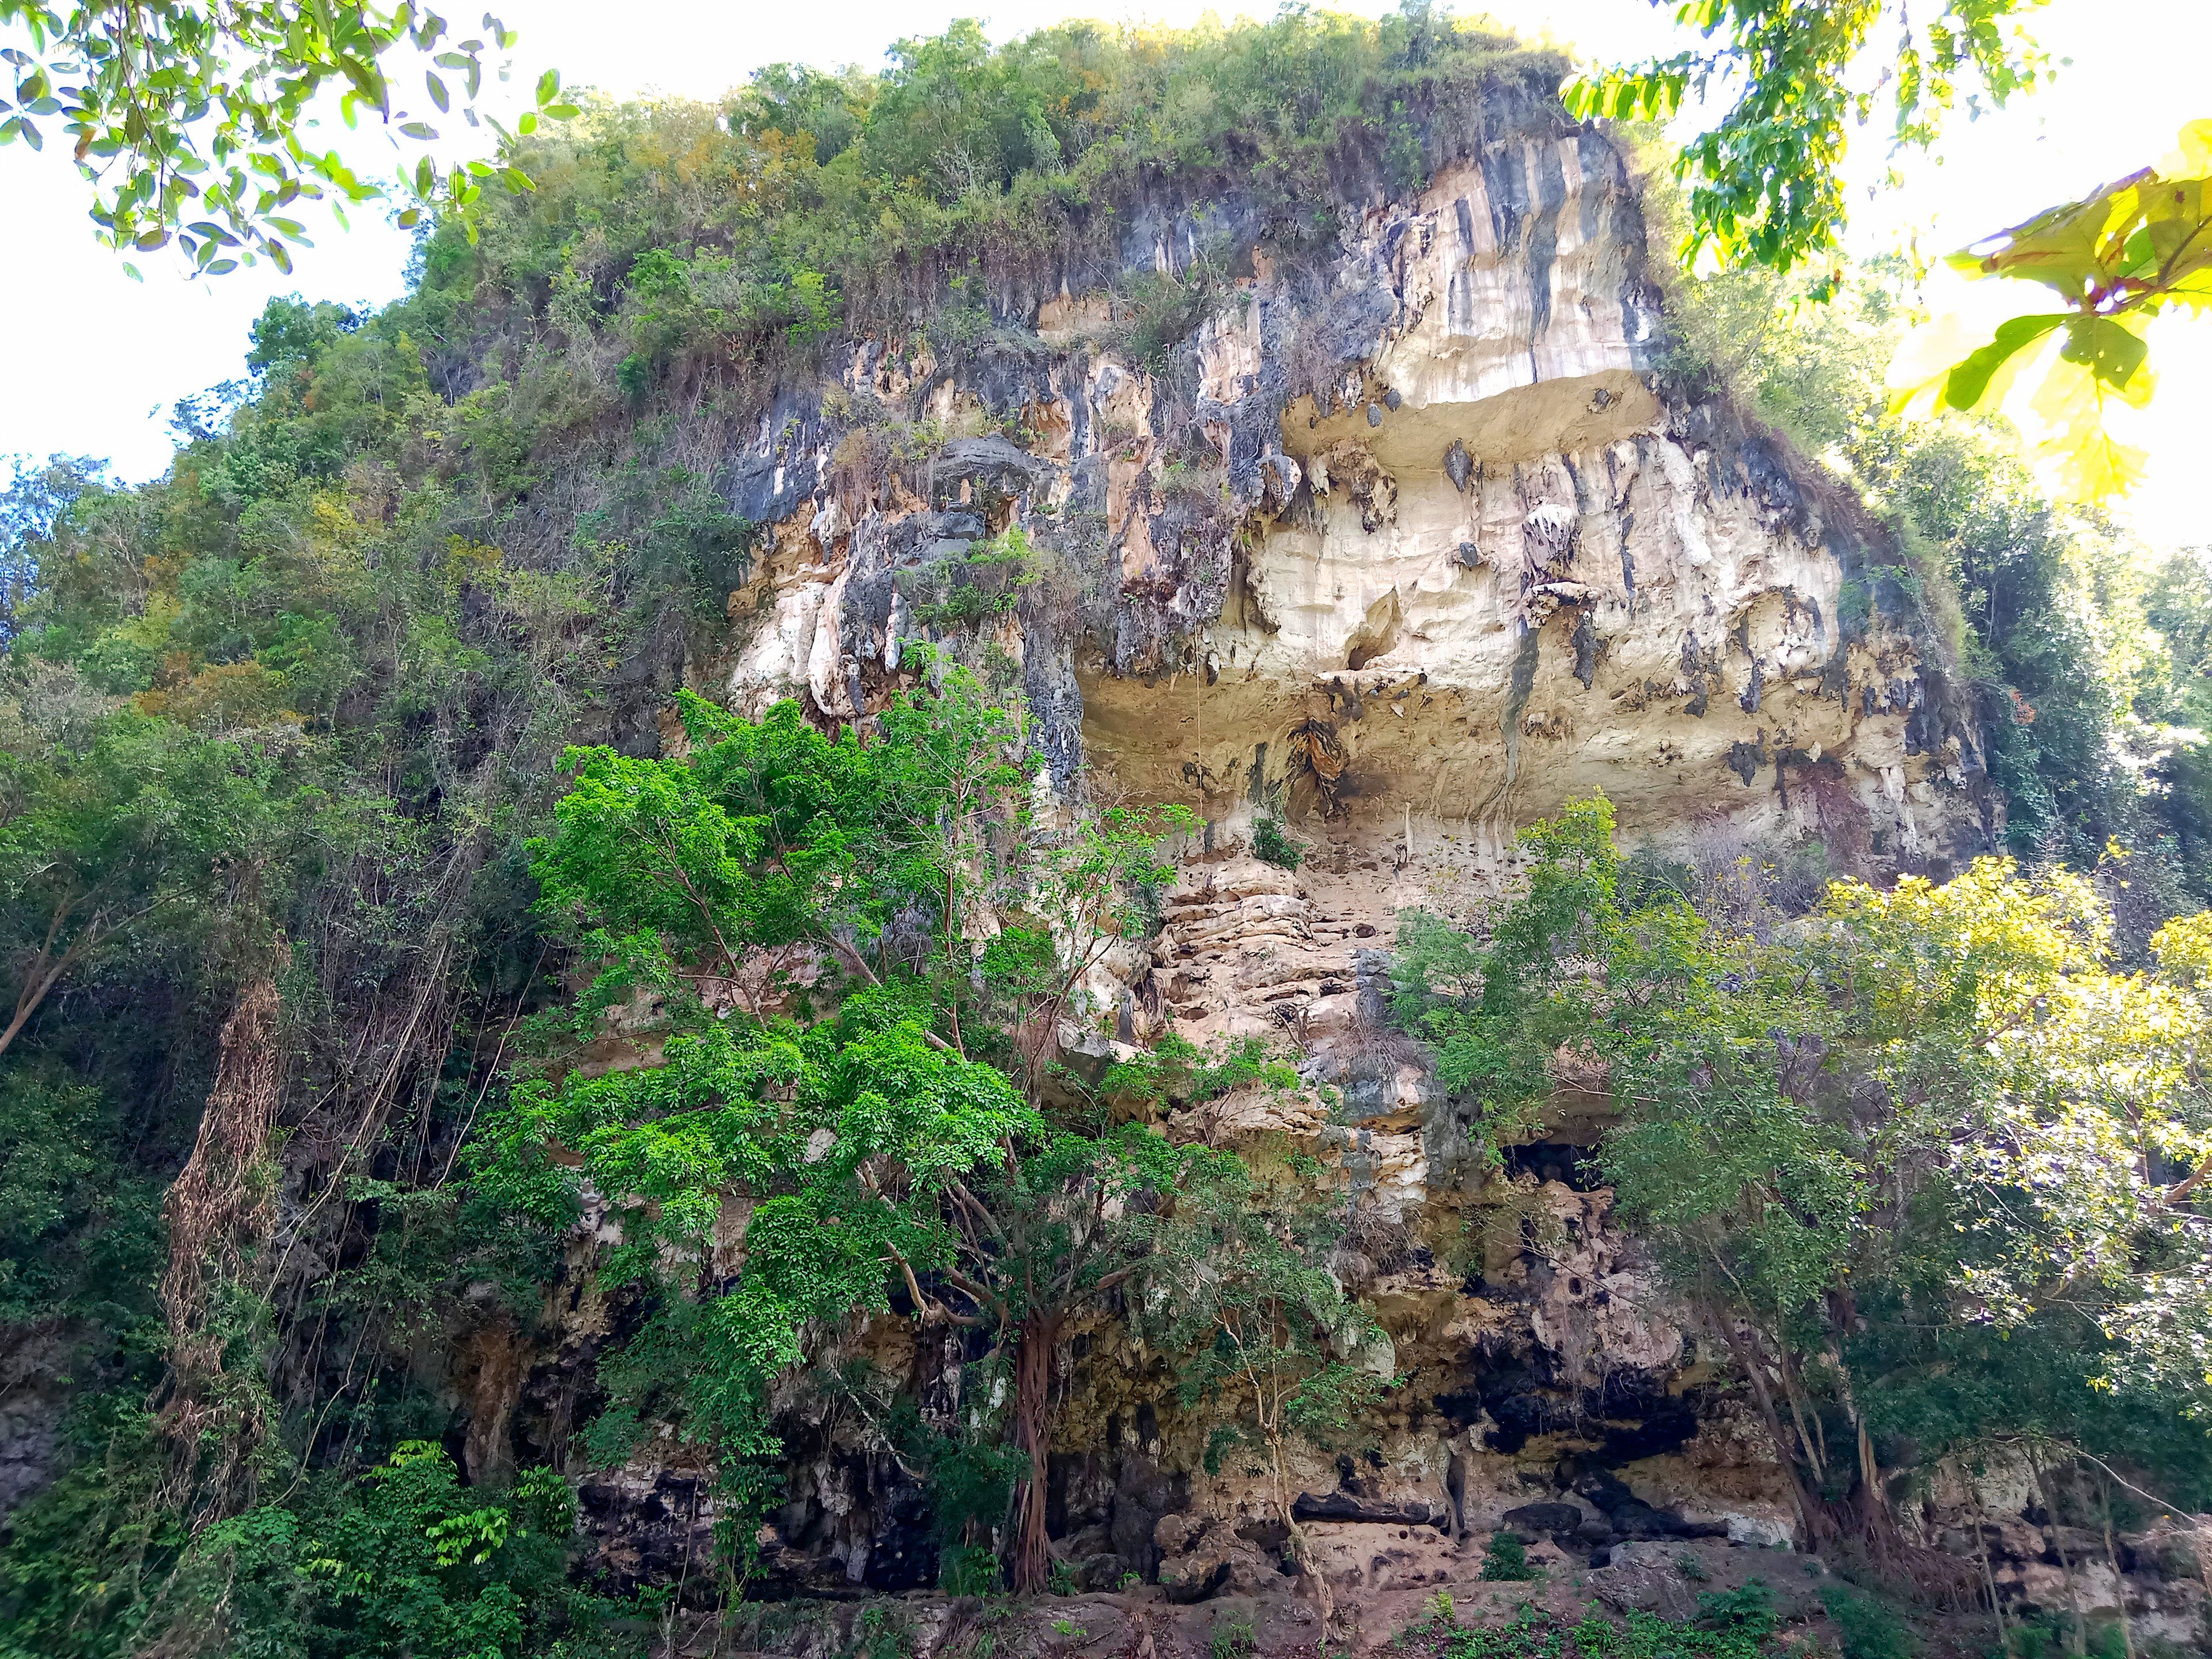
[96,359]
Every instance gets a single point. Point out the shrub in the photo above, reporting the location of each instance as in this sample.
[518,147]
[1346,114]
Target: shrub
[1506,1562]
[968,1570]
[1233,1638]
[1865,1628]
[986,584]
[1272,844]
[1748,1611]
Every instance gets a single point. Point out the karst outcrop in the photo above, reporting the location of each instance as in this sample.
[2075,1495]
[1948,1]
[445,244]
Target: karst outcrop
[1421,531]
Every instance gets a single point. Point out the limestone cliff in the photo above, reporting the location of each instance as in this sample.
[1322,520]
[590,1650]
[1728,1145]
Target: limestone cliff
[1415,536]
[1416,528]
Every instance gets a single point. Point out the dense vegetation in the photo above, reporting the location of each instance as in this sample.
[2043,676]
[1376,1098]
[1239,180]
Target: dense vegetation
[1938,1097]
[279,730]
[312,910]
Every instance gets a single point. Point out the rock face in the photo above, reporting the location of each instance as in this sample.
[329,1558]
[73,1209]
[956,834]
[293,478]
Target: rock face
[1417,537]
[1414,539]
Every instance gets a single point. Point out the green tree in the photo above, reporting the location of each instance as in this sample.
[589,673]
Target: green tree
[1765,178]
[1766,189]
[144,827]
[2116,258]
[1566,969]
[190,121]
[1238,1286]
[862,953]
[1940,1097]
[955,117]
[35,499]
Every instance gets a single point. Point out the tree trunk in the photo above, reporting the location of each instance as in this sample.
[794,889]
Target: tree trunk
[1032,1552]
[1988,1574]
[1812,1512]
[2079,1643]
[2119,1579]
[1809,1423]
[1877,1522]
[36,984]
[1302,1550]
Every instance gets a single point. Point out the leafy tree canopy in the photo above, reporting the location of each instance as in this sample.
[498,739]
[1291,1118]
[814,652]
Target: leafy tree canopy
[191,121]
[1765,178]
[2123,254]
[861,952]
[134,826]
[1937,1096]
[1766,189]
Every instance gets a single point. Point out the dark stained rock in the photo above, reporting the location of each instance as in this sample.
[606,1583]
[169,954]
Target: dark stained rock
[1534,1520]
[1351,1506]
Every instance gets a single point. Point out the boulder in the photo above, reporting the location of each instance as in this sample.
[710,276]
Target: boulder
[1534,1520]
[1644,1578]
[1205,1558]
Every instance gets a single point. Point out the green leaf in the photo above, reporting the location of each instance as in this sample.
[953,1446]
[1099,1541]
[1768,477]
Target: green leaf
[548,87]
[2106,347]
[437,89]
[1966,383]
[421,131]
